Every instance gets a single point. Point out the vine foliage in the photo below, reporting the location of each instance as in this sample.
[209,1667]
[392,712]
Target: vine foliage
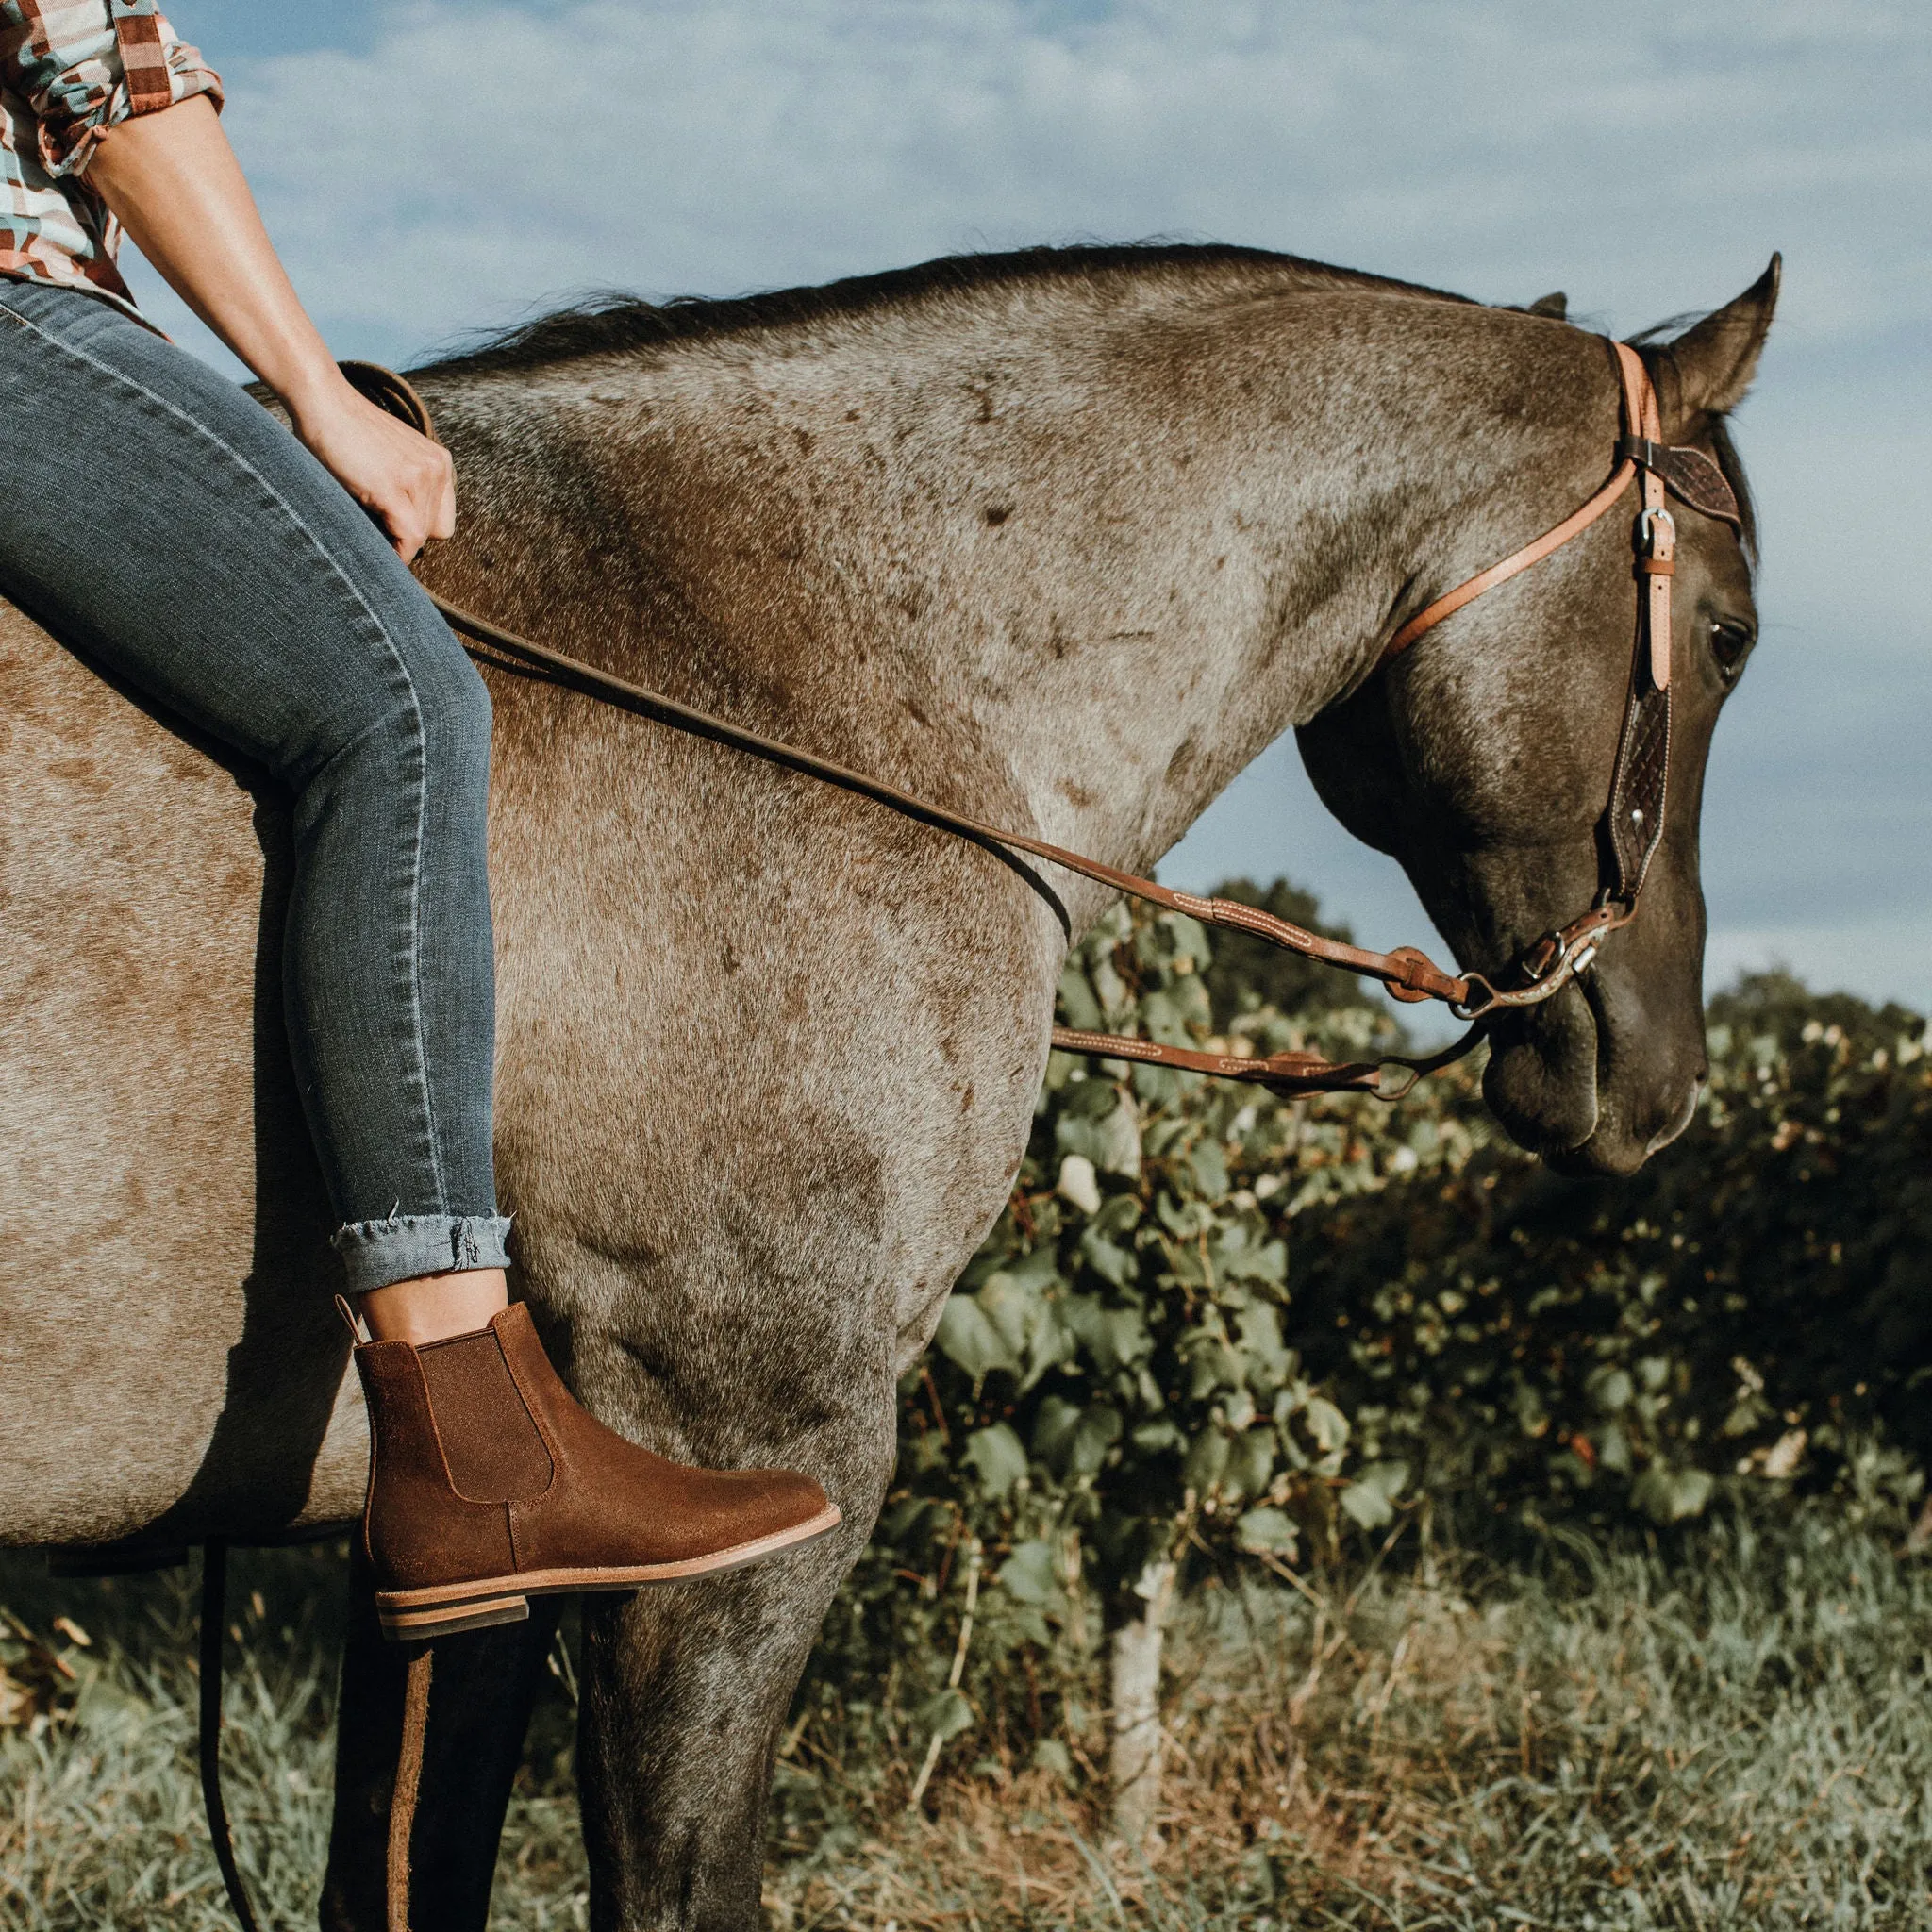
[1239,1332]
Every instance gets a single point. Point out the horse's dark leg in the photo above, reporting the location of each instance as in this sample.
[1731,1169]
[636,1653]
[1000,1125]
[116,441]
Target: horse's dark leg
[482,1686]
[685,1690]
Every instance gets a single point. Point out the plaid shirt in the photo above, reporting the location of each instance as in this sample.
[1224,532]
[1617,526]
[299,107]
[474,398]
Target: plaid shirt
[69,71]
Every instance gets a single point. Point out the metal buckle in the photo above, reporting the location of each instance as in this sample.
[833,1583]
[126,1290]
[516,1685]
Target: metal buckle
[1646,528]
[1472,1009]
[1573,956]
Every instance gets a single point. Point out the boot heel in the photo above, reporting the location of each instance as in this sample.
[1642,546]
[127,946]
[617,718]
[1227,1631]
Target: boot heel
[445,1619]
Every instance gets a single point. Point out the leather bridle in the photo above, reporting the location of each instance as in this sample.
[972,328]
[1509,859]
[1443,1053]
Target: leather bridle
[1628,834]
[1632,825]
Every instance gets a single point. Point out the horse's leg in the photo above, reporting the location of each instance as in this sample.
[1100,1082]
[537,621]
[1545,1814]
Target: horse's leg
[735,1271]
[684,1691]
[482,1686]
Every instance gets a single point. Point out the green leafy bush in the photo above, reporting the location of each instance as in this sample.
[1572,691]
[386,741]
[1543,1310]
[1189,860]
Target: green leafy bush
[1755,1304]
[1234,1330]
[1113,1375]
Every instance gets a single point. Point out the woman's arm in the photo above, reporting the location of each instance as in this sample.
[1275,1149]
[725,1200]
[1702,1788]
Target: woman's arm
[173,181]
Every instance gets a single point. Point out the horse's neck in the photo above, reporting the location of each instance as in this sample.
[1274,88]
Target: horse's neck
[1162,597]
[1100,583]
[1143,688]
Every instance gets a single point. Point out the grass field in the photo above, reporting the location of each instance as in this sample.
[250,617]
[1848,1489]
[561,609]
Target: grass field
[1734,1730]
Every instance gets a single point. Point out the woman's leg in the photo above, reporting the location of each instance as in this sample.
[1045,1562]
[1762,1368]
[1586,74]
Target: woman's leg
[163,521]
[430,1308]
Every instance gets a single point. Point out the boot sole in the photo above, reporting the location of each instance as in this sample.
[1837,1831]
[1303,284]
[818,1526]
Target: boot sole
[443,1608]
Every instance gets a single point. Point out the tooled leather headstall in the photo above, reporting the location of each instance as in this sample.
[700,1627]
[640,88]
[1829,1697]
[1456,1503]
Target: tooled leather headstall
[1630,830]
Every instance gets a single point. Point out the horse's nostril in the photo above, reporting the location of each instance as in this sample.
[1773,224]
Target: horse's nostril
[1687,1112]
[1541,1078]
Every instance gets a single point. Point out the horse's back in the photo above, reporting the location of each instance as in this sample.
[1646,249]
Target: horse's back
[164,1224]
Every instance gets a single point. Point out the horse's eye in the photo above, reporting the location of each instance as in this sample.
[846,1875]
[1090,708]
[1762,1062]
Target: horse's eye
[1730,644]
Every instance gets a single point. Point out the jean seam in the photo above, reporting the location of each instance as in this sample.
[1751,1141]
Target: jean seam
[318,548]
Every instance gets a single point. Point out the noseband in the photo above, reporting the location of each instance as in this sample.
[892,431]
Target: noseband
[1628,833]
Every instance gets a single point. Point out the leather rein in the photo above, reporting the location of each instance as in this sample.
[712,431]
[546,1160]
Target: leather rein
[1629,831]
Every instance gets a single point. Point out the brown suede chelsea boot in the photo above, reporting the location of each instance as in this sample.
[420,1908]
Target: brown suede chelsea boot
[488,1485]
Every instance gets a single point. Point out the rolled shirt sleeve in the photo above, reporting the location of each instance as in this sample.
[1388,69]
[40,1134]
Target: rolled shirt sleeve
[84,66]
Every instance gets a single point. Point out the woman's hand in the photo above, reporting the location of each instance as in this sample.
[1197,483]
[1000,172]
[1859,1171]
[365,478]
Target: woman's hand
[173,182]
[405,481]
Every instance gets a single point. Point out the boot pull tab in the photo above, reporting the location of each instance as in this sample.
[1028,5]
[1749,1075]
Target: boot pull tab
[358,1327]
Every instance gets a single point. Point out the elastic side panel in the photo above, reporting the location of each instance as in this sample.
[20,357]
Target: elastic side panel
[491,1446]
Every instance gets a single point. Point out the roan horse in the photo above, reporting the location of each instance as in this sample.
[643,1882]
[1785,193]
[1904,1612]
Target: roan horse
[1061,540]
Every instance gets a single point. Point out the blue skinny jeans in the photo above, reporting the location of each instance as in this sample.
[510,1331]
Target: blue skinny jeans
[162,521]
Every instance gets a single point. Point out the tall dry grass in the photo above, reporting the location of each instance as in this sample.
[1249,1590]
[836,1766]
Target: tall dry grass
[1732,1729]
[1735,1733]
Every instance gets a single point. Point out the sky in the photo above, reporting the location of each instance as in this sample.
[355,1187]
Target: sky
[436,167]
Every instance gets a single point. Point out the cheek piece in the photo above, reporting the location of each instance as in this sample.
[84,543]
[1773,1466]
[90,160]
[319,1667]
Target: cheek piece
[1633,821]
[1629,832]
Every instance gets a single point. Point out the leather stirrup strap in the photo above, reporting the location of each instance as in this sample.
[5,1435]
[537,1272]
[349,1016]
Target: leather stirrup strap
[409,1785]
[214,1573]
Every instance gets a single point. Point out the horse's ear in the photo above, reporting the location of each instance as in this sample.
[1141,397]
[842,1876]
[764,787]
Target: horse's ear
[1557,305]
[1714,362]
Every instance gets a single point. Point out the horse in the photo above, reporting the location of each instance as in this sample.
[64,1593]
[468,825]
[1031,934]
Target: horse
[1060,539]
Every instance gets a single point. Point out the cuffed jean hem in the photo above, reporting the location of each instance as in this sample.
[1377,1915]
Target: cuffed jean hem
[376,1253]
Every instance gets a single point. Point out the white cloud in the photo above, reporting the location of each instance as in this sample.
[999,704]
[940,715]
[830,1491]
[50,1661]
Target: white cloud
[479,158]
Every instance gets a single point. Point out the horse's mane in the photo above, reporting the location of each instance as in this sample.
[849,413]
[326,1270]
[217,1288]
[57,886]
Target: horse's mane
[612,322]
